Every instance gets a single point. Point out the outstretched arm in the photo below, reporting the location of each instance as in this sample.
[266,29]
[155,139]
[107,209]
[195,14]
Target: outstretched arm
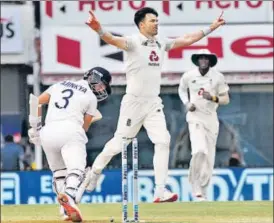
[120,42]
[191,38]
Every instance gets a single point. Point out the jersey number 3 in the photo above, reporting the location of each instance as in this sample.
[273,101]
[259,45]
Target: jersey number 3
[68,94]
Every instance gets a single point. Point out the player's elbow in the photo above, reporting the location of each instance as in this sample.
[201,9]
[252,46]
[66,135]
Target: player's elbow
[226,102]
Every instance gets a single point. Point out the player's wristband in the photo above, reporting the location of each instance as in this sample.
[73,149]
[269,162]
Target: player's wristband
[215,99]
[207,31]
[101,32]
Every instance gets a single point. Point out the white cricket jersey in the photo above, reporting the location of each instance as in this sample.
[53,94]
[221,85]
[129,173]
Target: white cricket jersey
[70,101]
[213,82]
[144,59]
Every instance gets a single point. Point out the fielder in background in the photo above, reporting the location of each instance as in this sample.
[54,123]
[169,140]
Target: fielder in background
[202,90]
[142,106]
[72,107]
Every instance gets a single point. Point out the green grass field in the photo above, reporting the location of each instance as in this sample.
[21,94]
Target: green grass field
[205,212]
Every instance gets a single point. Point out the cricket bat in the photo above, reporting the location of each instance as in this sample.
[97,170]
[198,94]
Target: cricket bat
[33,111]
[33,105]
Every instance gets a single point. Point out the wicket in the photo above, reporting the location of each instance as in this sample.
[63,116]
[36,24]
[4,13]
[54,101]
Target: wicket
[135,205]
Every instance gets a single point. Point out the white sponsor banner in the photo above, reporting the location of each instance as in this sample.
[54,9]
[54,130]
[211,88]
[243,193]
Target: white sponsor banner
[240,48]
[11,34]
[60,13]
[270,11]
[226,184]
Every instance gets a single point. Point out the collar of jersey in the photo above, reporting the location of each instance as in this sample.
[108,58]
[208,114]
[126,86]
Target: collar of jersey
[206,75]
[144,38]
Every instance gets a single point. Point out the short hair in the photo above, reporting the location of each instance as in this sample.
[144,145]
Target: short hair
[9,138]
[141,14]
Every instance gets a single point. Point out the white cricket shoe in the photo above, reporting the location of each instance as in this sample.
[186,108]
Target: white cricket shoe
[165,196]
[92,179]
[70,208]
[200,198]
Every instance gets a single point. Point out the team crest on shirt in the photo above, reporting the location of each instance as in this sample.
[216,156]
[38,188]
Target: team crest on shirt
[154,59]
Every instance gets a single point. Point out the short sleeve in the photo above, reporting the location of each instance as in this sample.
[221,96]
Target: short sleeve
[222,85]
[169,43]
[92,107]
[129,43]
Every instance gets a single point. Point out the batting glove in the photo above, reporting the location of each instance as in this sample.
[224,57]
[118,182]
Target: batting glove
[35,122]
[34,136]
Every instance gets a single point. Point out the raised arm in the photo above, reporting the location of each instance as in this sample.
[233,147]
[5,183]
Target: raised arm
[189,39]
[120,42]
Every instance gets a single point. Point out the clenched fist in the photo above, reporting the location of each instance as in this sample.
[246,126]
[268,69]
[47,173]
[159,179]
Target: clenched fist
[190,107]
[207,96]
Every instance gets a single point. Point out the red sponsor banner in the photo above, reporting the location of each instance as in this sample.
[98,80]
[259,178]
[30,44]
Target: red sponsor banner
[240,48]
[60,13]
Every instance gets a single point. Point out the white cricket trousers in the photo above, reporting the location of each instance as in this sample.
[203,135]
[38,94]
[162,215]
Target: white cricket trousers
[203,146]
[64,144]
[136,112]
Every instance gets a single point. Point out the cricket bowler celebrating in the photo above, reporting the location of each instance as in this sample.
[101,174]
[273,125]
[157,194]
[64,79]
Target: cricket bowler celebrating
[72,107]
[142,106]
[202,90]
